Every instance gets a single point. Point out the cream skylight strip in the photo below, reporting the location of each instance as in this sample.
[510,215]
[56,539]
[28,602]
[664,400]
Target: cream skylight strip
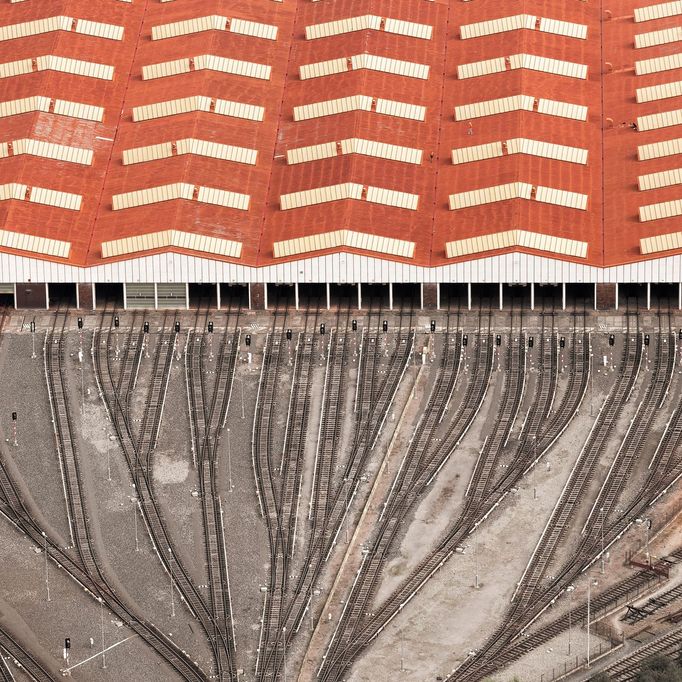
[61,23]
[518,190]
[55,63]
[169,239]
[211,62]
[165,150]
[46,150]
[663,37]
[656,92]
[666,9]
[29,242]
[658,64]
[512,238]
[658,150]
[214,22]
[344,238]
[523,21]
[222,107]
[349,190]
[380,150]
[519,145]
[368,22]
[522,61]
[181,190]
[342,105]
[504,105]
[57,106]
[666,178]
[667,209]
[664,242]
[371,62]
[662,120]
[40,195]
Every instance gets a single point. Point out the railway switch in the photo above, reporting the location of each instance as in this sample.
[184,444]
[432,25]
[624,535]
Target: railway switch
[612,339]
[288,334]
[433,325]
[562,342]
[531,341]
[385,325]
[646,339]
[210,327]
[465,340]
[498,340]
[247,339]
[145,327]
[116,322]
[680,335]
[354,324]
[80,323]
[322,329]
[177,327]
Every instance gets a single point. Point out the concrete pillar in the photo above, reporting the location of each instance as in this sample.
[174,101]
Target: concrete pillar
[604,296]
[648,295]
[15,294]
[156,296]
[359,296]
[186,295]
[469,295]
[78,301]
[563,295]
[47,296]
[532,295]
[616,295]
[257,296]
[421,296]
[265,296]
[679,296]
[430,296]
[390,295]
[329,296]
[296,294]
[217,296]
[501,297]
[125,297]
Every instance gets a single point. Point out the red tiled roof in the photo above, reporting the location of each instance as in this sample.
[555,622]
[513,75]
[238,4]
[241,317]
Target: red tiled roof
[538,158]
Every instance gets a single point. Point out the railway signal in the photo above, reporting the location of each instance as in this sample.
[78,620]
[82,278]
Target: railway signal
[80,323]
[612,339]
[433,325]
[177,327]
[679,335]
[14,428]
[646,339]
[562,342]
[33,339]
[117,322]
[498,340]
[67,648]
[322,329]
[465,340]
[354,325]
[145,327]
[385,325]
[289,334]
[531,341]
[247,339]
[210,327]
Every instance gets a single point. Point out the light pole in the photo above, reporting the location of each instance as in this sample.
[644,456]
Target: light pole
[590,583]
[570,589]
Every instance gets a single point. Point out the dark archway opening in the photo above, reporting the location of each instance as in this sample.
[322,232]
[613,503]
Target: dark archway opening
[343,295]
[454,296]
[406,296]
[375,297]
[281,296]
[234,296]
[203,296]
[63,295]
[665,296]
[109,295]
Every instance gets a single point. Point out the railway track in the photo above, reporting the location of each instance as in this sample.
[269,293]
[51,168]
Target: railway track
[138,452]
[527,602]
[525,459]
[370,417]
[207,415]
[24,659]
[627,667]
